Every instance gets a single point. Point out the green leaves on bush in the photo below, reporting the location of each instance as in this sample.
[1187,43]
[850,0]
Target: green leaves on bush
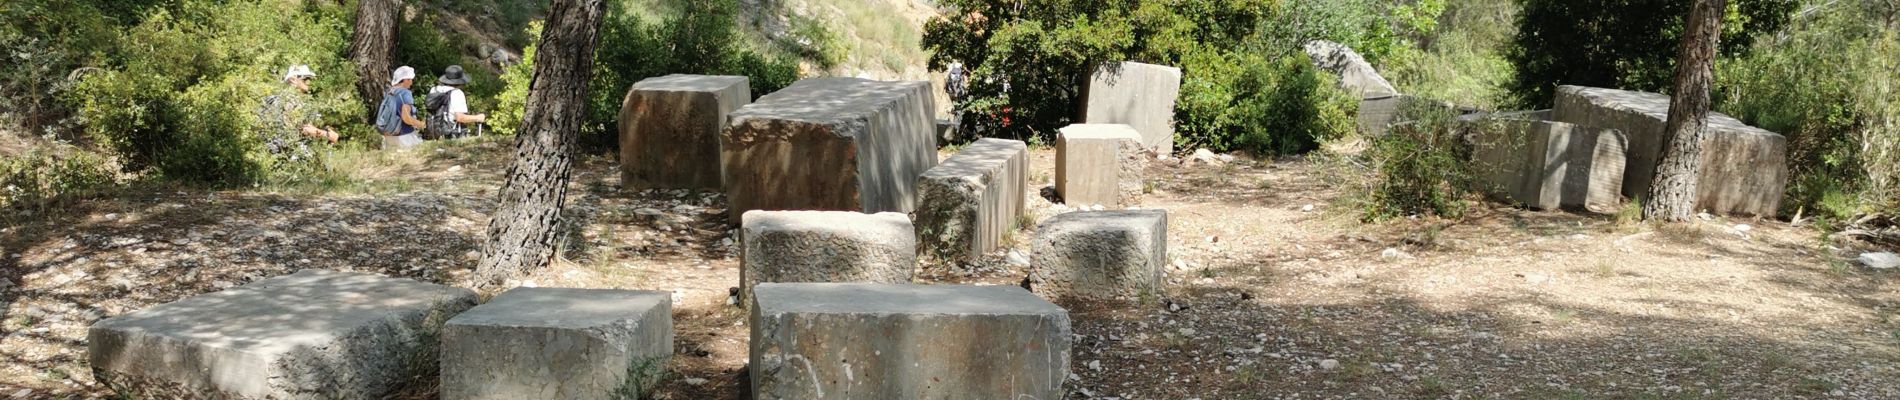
[48,174]
[1421,168]
[1625,44]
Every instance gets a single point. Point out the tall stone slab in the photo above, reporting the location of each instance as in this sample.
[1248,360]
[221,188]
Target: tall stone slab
[1100,255]
[313,334]
[669,130]
[835,144]
[825,246]
[1549,165]
[1100,164]
[556,343]
[1744,169]
[1138,95]
[881,341]
[968,203]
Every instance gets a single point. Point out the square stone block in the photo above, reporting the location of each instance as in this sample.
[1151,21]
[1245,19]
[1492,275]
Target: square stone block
[966,204]
[1138,95]
[883,341]
[669,130]
[313,334]
[833,144]
[1100,255]
[825,246]
[1550,165]
[1100,164]
[1744,168]
[553,343]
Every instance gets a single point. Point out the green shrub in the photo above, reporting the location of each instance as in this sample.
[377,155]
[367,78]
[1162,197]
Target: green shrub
[1461,59]
[1420,168]
[1625,44]
[46,175]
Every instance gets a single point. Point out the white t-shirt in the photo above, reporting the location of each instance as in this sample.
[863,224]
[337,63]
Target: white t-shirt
[458,101]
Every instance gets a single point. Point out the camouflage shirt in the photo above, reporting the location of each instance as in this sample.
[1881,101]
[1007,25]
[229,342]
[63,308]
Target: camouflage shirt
[282,116]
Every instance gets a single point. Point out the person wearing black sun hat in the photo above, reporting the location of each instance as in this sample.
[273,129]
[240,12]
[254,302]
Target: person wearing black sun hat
[448,105]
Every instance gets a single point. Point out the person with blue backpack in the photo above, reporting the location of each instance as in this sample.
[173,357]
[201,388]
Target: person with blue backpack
[396,116]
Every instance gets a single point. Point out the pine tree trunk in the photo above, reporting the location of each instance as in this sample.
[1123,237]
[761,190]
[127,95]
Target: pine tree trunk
[1672,194]
[371,47]
[522,233]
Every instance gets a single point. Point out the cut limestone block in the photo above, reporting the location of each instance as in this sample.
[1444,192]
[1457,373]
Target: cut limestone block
[966,204]
[1099,164]
[552,343]
[1377,115]
[1138,95]
[309,335]
[1549,165]
[825,246]
[883,341]
[669,130]
[1744,169]
[1100,255]
[1355,74]
[834,144]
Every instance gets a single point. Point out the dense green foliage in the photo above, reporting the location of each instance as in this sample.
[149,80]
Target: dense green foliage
[1460,57]
[1626,44]
[1421,168]
[45,175]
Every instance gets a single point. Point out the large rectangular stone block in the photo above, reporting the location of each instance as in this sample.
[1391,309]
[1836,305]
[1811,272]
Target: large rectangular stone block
[1100,255]
[553,343]
[836,144]
[1744,169]
[1100,164]
[825,246]
[966,204]
[1138,95]
[669,130]
[881,341]
[309,335]
[1550,165]
[1377,115]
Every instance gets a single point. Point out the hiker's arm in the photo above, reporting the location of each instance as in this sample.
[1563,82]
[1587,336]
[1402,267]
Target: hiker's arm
[408,117]
[466,118]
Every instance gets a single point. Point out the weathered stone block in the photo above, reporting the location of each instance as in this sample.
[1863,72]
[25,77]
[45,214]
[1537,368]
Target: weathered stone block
[881,341]
[309,335]
[1355,74]
[1549,165]
[966,204]
[1100,164]
[669,130]
[836,144]
[1744,169]
[1377,115]
[1100,255]
[552,343]
[1138,95]
[825,246]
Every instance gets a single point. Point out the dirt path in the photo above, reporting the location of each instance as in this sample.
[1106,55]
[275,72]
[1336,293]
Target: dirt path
[1267,299]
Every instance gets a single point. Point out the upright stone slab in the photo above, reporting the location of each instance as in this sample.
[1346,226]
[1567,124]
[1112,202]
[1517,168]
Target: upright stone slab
[881,341]
[1744,169]
[669,130]
[309,335]
[1550,165]
[825,246]
[1100,164]
[1355,74]
[551,343]
[836,144]
[1100,255]
[1138,95]
[966,204]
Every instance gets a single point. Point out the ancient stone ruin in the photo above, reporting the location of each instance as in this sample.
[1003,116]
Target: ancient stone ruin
[1138,95]
[839,144]
[966,204]
[669,130]
[1100,255]
[825,246]
[1355,74]
[885,341]
[1549,165]
[549,343]
[1100,164]
[1744,169]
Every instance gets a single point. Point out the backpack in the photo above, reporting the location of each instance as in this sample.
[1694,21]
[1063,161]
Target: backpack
[441,123]
[388,115]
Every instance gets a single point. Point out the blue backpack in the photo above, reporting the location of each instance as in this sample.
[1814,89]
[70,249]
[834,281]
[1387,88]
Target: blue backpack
[389,115]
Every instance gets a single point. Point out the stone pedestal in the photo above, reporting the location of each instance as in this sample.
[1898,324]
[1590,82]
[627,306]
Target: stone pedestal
[310,335]
[1138,95]
[1744,169]
[836,144]
[968,203]
[1550,165]
[825,246]
[879,341]
[669,130]
[1101,255]
[1100,164]
[549,343]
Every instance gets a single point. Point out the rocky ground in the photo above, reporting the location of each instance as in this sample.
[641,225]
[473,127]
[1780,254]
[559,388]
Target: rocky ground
[1276,290]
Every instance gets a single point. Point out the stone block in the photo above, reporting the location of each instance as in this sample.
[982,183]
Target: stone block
[553,343]
[313,334]
[834,144]
[1138,95]
[1355,74]
[1378,115]
[669,130]
[1100,164]
[883,341]
[1549,165]
[966,204]
[1744,169]
[825,246]
[1100,255]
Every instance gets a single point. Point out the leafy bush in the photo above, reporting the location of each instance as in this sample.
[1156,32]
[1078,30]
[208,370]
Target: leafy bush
[46,175]
[1626,44]
[1460,58]
[1420,168]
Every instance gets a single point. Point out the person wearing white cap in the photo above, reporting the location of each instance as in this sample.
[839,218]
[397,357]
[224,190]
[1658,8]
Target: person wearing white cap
[396,116]
[285,114]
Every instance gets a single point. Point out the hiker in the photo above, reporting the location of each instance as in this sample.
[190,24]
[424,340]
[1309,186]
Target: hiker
[448,106]
[285,115]
[395,117]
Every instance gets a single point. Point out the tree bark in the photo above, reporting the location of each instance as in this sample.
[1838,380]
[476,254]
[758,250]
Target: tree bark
[523,231]
[371,46]
[1672,194]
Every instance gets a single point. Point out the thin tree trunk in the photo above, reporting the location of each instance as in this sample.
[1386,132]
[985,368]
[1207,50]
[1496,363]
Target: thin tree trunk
[522,234]
[371,47]
[1672,194]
